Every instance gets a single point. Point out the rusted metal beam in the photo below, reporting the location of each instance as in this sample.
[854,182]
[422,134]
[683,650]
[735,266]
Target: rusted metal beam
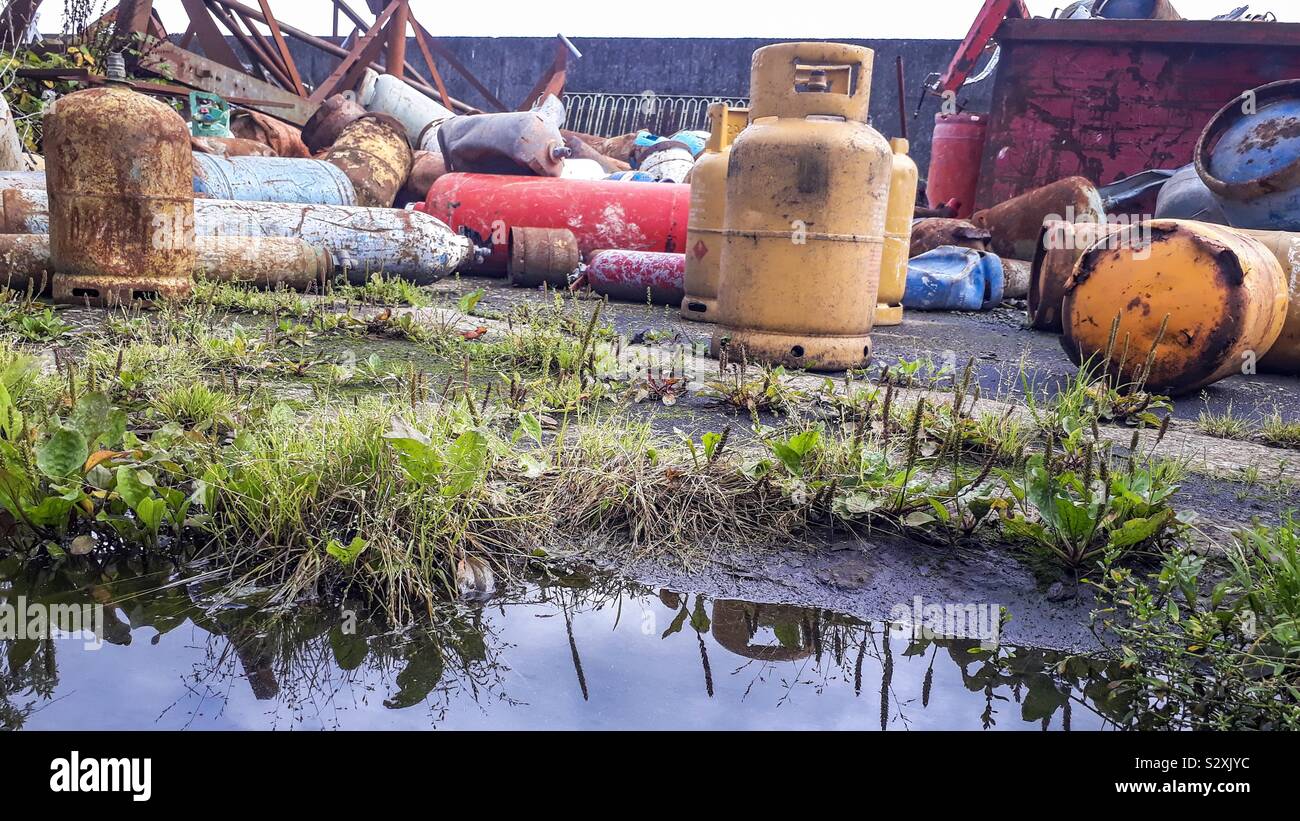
[264,45]
[282,47]
[255,56]
[552,81]
[212,41]
[188,68]
[395,60]
[442,51]
[433,67]
[338,51]
[365,50]
[1144,32]
[133,17]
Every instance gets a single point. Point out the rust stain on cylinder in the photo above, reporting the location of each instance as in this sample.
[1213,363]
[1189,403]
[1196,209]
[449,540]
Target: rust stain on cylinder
[25,262]
[542,256]
[375,155]
[121,191]
[1016,223]
[264,262]
[935,232]
[335,114]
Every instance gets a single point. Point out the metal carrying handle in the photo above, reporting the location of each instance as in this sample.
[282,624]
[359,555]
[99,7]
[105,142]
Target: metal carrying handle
[811,79]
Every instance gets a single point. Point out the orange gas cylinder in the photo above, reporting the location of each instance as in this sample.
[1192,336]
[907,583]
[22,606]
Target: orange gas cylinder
[1193,302]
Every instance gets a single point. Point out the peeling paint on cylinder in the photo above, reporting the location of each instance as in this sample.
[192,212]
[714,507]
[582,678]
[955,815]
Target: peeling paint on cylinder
[22,179]
[24,211]
[272,179]
[936,232]
[631,216]
[1224,293]
[635,276]
[120,175]
[372,151]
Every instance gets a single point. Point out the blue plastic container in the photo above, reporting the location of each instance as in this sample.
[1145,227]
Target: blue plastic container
[631,176]
[1249,157]
[272,179]
[951,278]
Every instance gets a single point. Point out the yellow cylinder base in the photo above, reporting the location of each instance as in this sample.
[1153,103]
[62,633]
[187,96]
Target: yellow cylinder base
[700,308]
[889,315]
[812,353]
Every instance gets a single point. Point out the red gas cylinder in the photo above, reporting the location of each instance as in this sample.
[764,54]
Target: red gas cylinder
[955,155]
[632,216]
[636,276]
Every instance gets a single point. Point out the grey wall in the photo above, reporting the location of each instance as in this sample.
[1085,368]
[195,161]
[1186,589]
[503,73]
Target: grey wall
[511,66]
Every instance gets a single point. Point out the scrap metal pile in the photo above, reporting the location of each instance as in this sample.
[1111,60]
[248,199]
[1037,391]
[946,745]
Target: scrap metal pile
[792,225]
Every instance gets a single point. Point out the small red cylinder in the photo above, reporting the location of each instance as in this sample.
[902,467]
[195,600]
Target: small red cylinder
[635,276]
[632,216]
[955,156]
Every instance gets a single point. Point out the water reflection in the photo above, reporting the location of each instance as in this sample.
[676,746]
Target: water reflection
[564,652]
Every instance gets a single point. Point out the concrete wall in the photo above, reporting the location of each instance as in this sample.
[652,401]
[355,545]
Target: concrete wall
[511,66]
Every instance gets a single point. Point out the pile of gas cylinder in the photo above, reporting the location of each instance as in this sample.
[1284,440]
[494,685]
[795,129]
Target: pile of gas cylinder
[789,225]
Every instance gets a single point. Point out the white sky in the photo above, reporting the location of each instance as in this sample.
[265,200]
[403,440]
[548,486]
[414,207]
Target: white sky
[850,19]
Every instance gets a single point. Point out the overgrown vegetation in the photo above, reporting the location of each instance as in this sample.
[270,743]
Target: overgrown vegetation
[247,425]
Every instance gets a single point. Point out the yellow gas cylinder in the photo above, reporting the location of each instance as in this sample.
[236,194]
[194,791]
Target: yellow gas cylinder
[708,208]
[120,175]
[898,235]
[807,188]
[1284,356]
[1220,295]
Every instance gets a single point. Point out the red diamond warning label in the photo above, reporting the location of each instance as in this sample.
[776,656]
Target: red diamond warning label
[700,249]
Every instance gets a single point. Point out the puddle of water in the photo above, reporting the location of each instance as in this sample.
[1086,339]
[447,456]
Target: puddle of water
[566,654]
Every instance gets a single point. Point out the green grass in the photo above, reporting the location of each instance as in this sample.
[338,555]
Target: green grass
[1273,430]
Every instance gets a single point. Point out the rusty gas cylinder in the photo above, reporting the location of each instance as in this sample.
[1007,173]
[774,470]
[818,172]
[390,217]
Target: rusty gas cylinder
[121,194]
[1016,223]
[374,154]
[542,256]
[807,188]
[1059,247]
[1196,303]
[898,236]
[708,211]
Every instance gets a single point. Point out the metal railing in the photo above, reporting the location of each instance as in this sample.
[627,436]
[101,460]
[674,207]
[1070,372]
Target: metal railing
[609,115]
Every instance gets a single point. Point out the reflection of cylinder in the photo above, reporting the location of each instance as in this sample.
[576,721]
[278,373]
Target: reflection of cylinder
[264,262]
[735,623]
[636,276]
[542,256]
[1224,294]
